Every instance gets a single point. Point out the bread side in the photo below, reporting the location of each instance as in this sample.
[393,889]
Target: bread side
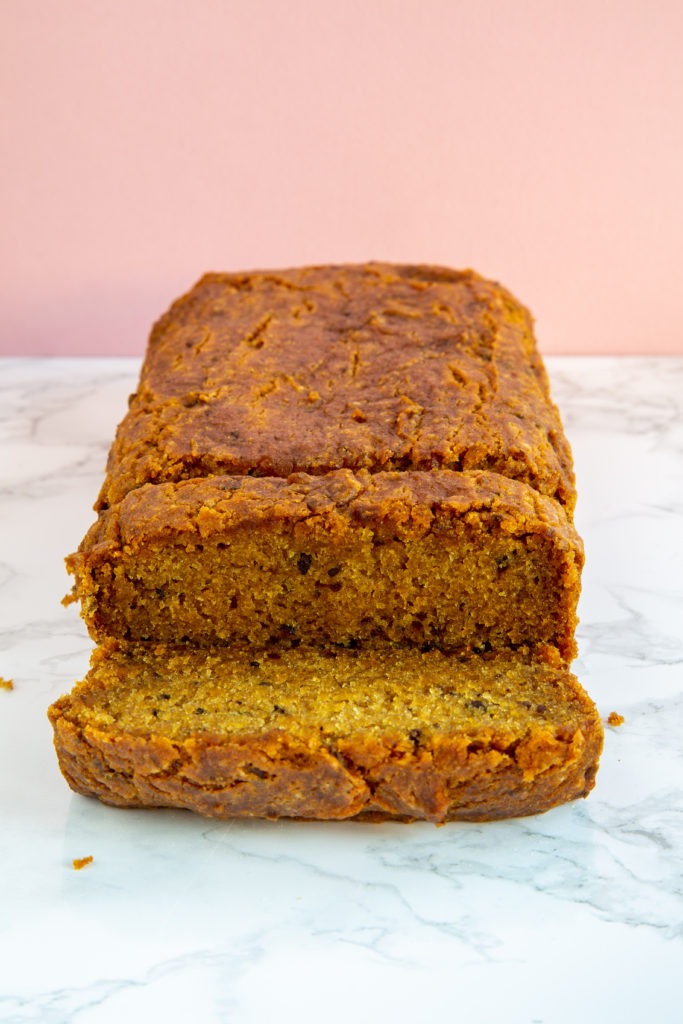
[455,559]
[378,732]
[376,366]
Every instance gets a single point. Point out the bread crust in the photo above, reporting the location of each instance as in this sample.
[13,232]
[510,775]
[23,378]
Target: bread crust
[443,784]
[373,366]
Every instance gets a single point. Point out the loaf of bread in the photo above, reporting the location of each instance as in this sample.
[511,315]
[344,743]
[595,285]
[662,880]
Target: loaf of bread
[355,476]
[329,732]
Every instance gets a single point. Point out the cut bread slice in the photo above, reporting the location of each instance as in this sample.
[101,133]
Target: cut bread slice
[372,732]
[454,559]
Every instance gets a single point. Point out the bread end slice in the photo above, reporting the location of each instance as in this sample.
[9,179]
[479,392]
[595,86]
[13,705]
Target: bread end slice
[372,732]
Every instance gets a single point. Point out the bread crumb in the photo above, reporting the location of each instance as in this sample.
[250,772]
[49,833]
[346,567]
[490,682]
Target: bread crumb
[6,684]
[614,718]
[81,862]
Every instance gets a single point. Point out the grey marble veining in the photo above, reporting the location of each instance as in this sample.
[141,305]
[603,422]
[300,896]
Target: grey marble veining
[573,915]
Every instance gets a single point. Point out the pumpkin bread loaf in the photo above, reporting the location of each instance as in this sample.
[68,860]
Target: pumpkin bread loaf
[334,572]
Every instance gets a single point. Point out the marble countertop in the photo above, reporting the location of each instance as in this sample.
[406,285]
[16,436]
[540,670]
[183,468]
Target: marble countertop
[575,915]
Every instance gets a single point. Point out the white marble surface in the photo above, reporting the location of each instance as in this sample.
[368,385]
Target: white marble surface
[573,916]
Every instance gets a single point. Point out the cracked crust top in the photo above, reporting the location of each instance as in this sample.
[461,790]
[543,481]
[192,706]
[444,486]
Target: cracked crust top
[373,366]
[403,506]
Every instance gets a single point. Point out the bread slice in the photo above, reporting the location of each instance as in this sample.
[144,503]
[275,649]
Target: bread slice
[373,732]
[456,559]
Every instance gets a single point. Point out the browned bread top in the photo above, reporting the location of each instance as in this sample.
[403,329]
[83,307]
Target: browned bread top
[395,505]
[373,366]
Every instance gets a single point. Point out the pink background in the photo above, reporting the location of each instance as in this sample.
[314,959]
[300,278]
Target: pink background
[146,141]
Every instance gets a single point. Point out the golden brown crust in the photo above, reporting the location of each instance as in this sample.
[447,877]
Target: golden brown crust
[492,758]
[374,366]
[410,504]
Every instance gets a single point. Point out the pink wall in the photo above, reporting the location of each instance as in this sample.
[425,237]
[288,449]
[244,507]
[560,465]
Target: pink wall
[146,141]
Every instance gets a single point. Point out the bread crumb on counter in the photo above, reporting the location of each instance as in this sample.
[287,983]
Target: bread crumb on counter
[615,719]
[6,684]
[81,862]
